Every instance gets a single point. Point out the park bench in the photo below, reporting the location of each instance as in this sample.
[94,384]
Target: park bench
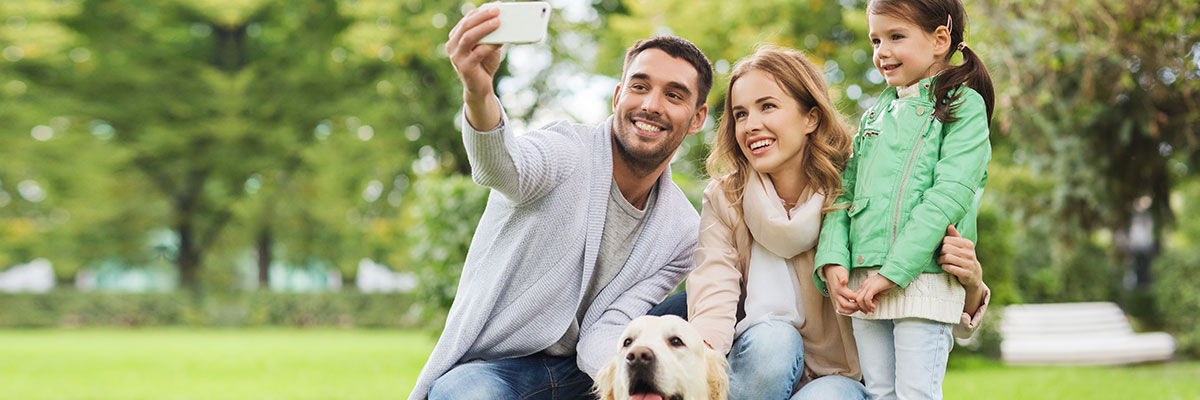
[1077,334]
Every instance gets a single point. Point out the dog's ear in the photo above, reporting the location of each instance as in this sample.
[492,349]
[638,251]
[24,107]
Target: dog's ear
[718,374]
[603,386]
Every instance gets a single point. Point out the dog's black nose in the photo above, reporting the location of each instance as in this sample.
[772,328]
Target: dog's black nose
[640,355]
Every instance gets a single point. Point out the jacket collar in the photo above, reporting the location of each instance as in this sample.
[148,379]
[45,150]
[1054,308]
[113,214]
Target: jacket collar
[924,85]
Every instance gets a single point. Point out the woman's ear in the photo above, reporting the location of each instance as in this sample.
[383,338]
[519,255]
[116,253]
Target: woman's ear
[813,118]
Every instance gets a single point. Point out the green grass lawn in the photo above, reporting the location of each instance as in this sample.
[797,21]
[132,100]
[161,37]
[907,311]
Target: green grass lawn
[210,364]
[364,364]
[979,378]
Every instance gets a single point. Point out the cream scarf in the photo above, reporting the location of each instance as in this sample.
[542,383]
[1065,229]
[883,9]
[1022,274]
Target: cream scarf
[772,288]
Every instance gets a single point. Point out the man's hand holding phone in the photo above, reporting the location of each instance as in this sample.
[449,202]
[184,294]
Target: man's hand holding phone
[476,65]
[475,50]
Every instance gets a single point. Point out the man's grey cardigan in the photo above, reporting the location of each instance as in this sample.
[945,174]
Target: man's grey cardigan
[535,248]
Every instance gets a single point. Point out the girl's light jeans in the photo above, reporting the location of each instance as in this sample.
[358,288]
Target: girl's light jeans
[903,358]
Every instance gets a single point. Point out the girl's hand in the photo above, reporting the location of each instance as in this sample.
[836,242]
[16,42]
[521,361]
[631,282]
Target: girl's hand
[868,295]
[958,259]
[843,298]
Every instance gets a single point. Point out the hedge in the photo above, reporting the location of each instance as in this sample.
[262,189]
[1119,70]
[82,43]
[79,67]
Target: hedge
[68,308]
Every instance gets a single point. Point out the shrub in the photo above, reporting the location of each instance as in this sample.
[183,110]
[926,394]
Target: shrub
[67,308]
[1177,299]
[444,213]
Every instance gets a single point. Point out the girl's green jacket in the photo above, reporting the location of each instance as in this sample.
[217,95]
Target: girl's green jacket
[909,177]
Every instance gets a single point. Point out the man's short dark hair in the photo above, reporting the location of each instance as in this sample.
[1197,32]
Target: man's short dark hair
[679,48]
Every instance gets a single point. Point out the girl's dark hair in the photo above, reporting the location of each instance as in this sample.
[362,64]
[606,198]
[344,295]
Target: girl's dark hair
[929,15]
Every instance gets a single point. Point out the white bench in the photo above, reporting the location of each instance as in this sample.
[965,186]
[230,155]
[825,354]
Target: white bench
[1077,334]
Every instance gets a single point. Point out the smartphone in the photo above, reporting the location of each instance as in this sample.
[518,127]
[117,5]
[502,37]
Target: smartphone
[520,22]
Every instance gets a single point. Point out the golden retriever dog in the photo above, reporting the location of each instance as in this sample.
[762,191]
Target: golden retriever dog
[663,358]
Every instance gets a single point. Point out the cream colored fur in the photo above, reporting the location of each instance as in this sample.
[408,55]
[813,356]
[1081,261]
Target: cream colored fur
[685,369]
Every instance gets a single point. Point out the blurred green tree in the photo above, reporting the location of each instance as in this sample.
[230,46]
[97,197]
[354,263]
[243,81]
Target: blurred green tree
[291,126]
[1100,97]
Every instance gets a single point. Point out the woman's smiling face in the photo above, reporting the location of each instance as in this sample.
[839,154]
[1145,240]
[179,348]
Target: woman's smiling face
[771,127]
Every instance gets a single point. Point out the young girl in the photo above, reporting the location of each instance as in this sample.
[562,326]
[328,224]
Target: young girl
[776,166]
[920,163]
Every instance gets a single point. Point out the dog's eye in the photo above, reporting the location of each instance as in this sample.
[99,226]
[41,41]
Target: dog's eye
[628,341]
[676,341]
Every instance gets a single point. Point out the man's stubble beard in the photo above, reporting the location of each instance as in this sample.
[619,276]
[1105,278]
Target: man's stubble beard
[644,164]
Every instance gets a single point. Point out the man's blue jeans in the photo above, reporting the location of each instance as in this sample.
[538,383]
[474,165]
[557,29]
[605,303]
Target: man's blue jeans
[537,376]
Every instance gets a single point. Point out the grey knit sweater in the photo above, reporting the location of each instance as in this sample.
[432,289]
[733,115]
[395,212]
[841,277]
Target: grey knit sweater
[533,253]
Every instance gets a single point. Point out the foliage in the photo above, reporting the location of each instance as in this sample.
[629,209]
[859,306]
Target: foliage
[245,309]
[291,128]
[1100,96]
[443,215]
[1176,299]
[995,251]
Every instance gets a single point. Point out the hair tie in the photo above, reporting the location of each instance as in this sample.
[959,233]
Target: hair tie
[962,45]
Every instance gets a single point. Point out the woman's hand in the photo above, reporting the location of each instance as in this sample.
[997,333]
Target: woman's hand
[958,259]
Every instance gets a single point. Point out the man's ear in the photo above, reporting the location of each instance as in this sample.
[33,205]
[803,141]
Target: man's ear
[941,41]
[616,98]
[698,119]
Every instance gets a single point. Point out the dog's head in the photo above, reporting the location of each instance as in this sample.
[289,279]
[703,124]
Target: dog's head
[663,358]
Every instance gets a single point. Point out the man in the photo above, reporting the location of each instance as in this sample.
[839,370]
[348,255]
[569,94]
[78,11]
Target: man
[584,229]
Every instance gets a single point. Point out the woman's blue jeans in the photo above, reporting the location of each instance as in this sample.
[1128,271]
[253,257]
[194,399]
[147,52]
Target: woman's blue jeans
[767,361]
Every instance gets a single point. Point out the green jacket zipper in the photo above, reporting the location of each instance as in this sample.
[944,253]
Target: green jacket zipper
[904,179]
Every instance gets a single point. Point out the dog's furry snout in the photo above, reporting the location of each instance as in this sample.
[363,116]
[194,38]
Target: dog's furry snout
[641,355]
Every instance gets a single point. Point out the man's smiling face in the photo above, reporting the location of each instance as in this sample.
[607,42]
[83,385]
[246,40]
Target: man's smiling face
[656,106]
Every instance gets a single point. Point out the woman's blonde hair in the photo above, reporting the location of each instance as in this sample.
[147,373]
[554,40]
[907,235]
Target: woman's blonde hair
[828,146]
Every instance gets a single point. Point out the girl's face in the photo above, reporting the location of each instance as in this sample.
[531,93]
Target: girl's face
[771,127]
[904,54]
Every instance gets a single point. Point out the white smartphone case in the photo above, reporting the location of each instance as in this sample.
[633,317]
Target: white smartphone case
[520,22]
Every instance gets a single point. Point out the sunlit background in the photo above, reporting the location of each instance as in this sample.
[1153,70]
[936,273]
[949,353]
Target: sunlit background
[272,164]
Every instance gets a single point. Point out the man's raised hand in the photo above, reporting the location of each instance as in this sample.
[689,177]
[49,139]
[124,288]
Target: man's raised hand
[476,65]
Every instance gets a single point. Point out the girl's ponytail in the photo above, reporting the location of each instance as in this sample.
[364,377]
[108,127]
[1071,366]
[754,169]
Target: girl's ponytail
[974,74]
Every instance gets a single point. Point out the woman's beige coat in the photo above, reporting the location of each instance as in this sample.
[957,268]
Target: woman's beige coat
[716,293]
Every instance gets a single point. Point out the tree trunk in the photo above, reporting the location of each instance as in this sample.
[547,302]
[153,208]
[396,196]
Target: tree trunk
[189,258]
[264,258]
